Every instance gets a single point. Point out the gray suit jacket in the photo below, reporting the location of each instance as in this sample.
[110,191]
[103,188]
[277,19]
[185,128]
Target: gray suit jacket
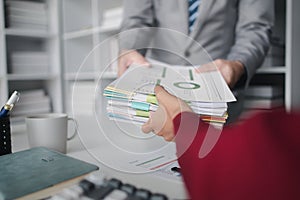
[225,29]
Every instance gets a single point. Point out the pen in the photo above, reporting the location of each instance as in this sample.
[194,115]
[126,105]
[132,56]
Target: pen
[9,104]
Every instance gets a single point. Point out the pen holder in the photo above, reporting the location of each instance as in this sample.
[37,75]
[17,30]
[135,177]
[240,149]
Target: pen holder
[5,138]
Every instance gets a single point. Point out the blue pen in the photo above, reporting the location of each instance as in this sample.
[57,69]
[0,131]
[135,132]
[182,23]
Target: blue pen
[9,104]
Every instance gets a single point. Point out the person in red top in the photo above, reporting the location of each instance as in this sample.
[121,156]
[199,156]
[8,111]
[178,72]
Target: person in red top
[255,159]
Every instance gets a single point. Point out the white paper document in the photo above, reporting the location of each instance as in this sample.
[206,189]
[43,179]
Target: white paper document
[183,82]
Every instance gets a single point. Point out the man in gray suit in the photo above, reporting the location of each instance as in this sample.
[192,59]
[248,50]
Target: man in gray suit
[232,33]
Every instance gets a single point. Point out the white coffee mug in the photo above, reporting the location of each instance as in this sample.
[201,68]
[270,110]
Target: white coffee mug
[49,130]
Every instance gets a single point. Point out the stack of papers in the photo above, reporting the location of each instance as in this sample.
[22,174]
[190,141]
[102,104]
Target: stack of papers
[31,102]
[29,62]
[27,14]
[112,17]
[263,97]
[131,97]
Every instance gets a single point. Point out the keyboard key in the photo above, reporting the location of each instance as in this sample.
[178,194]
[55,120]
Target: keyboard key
[99,188]
[114,183]
[100,192]
[116,195]
[87,186]
[142,193]
[72,193]
[75,189]
[130,189]
[134,198]
[84,198]
[59,197]
[158,197]
[97,179]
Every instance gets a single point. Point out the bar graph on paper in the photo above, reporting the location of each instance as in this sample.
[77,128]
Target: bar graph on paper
[155,162]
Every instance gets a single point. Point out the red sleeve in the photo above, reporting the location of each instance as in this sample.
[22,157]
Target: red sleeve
[259,159]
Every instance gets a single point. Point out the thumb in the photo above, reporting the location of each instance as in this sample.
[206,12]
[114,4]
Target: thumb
[162,96]
[171,103]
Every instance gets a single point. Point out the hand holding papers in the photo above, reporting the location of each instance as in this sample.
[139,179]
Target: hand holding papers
[131,97]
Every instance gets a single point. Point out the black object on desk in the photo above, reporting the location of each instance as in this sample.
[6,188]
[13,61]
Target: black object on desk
[5,137]
[109,189]
[176,169]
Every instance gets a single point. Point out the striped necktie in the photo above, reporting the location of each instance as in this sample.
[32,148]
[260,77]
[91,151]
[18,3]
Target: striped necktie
[193,13]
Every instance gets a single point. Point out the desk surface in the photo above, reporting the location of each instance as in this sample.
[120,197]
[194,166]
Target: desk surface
[103,150]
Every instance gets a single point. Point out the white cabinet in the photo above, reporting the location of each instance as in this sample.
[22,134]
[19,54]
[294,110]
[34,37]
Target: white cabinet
[30,53]
[287,29]
[292,61]
[89,45]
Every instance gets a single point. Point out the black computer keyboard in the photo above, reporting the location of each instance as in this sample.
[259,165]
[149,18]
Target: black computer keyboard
[100,188]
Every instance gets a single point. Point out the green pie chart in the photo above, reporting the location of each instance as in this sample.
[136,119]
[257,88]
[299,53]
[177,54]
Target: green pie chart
[187,85]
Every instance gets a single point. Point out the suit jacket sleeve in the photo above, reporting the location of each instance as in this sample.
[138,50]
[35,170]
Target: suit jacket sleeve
[137,14]
[258,159]
[255,18]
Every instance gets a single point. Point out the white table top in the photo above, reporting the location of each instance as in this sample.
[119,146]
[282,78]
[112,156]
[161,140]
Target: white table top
[107,151]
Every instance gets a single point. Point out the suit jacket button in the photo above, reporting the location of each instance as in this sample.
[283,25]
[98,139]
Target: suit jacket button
[187,54]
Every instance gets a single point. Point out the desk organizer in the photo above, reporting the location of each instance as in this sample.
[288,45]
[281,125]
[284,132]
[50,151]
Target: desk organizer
[5,137]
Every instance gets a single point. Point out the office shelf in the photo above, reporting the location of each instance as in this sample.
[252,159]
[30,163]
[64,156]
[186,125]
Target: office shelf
[109,75]
[274,70]
[18,77]
[22,46]
[78,34]
[90,76]
[27,33]
[80,76]
[114,28]
[287,30]
[87,52]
